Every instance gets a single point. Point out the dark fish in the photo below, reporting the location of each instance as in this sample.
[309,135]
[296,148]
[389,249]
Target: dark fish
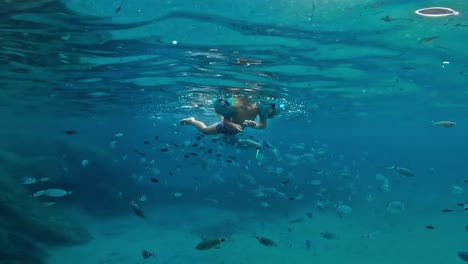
[328,235]
[377,4]
[387,19]
[146,254]
[186,156]
[429,39]
[118,9]
[156,137]
[466,228]
[70,132]
[285,181]
[463,255]
[154,180]
[146,142]
[289,229]
[229,161]
[159,41]
[194,145]
[447,210]
[292,198]
[309,215]
[206,244]
[298,220]
[137,210]
[164,150]
[460,204]
[193,154]
[209,151]
[308,244]
[430,227]
[170,173]
[266,242]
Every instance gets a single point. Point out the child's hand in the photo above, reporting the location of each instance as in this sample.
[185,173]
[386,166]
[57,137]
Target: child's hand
[250,123]
[237,127]
[232,126]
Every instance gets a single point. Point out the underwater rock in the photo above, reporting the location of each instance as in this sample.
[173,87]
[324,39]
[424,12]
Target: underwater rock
[19,248]
[27,228]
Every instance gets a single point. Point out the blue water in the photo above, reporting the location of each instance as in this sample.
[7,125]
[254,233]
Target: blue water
[362,84]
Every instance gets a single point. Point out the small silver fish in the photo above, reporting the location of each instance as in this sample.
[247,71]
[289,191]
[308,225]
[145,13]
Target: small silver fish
[45,179]
[178,194]
[343,210]
[137,210]
[28,180]
[56,193]
[444,124]
[403,171]
[38,193]
[143,198]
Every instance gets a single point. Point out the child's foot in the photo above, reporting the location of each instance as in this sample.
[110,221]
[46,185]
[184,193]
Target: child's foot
[187,121]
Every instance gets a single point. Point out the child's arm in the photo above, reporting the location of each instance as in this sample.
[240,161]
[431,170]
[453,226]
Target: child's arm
[221,118]
[262,124]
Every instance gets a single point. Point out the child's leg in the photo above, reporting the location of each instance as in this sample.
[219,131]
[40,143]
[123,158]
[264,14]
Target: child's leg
[207,130]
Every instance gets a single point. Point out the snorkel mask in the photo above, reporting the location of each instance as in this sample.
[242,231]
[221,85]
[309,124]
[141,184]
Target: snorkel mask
[277,108]
[223,106]
[271,109]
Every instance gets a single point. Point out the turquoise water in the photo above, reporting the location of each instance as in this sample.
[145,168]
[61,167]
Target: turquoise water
[362,84]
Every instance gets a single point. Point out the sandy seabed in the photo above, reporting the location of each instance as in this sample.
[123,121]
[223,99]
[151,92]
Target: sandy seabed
[172,233]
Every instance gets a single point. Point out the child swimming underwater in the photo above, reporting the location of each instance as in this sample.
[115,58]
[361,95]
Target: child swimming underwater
[235,115]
